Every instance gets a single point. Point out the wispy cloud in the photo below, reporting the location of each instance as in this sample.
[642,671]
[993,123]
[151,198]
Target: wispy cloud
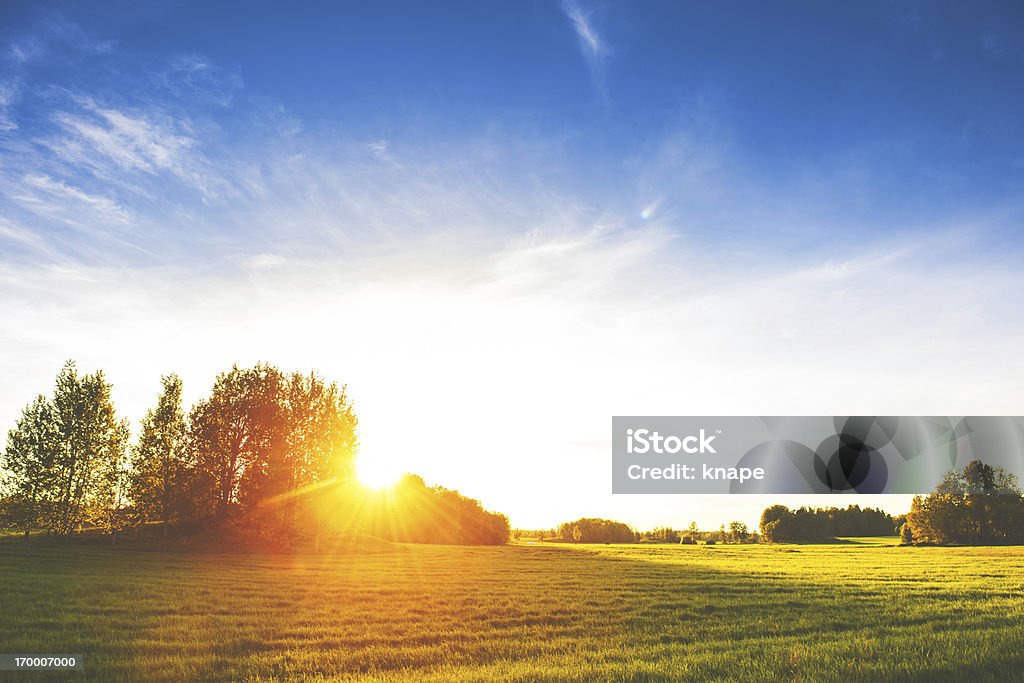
[107,160]
[14,237]
[8,96]
[55,193]
[197,77]
[55,37]
[96,135]
[381,150]
[595,50]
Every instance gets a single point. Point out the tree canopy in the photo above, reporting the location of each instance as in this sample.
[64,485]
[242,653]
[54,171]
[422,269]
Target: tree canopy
[65,457]
[595,530]
[779,524]
[979,505]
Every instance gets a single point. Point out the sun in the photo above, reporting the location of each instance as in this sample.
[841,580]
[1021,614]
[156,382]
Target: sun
[376,472]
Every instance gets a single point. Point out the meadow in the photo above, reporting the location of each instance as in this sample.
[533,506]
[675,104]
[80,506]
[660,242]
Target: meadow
[866,610]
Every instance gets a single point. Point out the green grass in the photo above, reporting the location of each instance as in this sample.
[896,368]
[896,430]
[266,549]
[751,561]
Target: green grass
[864,610]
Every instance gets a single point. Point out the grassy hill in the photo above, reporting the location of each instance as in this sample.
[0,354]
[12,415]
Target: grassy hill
[850,611]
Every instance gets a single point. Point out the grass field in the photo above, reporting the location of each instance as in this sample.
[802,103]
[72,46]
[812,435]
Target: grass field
[856,611]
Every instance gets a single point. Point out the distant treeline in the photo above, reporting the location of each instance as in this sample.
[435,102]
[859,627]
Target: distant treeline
[779,524]
[596,530]
[267,453]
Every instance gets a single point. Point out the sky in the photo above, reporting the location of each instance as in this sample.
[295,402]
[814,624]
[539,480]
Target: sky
[499,224]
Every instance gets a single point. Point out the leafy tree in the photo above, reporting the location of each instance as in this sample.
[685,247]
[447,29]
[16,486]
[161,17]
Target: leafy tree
[779,524]
[738,532]
[111,480]
[262,437]
[232,434]
[89,459]
[29,461]
[65,457]
[594,530]
[857,521]
[317,443]
[978,478]
[771,515]
[981,505]
[160,463]
[898,521]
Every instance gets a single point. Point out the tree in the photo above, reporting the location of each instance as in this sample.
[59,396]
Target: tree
[160,463]
[263,437]
[981,505]
[593,530]
[663,534]
[738,532]
[232,433]
[779,524]
[317,444]
[816,525]
[898,521]
[29,461]
[771,515]
[857,521]
[112,480]
[65,457]
[89,459]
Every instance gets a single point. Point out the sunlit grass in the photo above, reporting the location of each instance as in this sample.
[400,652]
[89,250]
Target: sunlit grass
[380,611]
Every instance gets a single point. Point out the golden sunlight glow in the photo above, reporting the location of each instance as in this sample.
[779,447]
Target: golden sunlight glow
[376,472]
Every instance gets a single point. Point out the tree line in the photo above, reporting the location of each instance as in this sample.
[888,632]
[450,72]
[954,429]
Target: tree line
[779,524]
[597,530]
[979,505]
[267,451]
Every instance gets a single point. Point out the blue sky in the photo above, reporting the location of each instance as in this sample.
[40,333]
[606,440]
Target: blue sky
[508,209]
